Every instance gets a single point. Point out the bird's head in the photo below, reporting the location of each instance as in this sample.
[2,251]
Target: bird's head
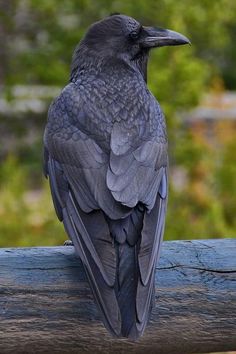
[122,37]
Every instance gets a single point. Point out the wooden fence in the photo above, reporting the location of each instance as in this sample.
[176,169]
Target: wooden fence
[46,305]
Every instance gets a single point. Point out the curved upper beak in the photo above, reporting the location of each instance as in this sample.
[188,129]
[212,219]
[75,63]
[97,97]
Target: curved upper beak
[159,37]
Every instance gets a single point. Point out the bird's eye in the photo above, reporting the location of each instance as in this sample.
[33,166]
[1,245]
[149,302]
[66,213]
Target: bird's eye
[134,34]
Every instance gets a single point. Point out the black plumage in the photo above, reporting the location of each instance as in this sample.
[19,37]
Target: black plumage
[106,157]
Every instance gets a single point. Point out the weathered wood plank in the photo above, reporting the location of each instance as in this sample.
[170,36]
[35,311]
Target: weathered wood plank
[46,305]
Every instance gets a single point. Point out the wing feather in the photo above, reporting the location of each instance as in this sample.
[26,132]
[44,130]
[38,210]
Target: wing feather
[112,204]
[104,295]
[152,233]
[93,243]
[135,175]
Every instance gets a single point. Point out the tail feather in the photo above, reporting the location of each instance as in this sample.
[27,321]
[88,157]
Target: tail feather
[136,263]
[134,298]
[145,296]
[127,286]
[126,234]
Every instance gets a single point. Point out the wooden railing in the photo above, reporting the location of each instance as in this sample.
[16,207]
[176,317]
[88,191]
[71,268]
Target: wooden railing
[46,305]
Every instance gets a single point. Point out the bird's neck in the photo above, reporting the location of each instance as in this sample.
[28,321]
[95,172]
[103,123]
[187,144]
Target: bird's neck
[140,62]
[87,62]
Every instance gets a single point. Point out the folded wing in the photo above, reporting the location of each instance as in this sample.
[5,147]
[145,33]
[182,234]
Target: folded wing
[98,194]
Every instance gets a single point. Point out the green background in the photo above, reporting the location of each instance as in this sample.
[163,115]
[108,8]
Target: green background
[37,41]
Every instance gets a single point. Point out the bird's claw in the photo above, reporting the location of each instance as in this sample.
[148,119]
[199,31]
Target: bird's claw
[68,243]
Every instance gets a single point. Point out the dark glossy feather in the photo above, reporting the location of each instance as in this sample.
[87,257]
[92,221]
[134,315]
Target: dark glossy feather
[106,159]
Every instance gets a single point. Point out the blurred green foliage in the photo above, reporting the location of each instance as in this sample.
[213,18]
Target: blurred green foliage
[37,41]
[27,216]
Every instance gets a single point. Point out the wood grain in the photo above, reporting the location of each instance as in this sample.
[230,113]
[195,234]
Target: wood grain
[46,305]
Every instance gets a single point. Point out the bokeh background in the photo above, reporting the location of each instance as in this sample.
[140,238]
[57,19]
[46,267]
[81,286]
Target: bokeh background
[195,85]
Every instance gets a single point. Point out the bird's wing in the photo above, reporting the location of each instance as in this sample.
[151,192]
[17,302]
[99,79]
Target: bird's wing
[135,172]
[149,253]
[76,167]
[139,174]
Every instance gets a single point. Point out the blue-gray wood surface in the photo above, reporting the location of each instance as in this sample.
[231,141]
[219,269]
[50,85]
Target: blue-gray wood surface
[46,305]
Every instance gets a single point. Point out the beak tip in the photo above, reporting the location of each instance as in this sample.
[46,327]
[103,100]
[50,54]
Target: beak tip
[187,41]
[181,39]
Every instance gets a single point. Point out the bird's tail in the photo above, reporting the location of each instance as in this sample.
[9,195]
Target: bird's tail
[128,288]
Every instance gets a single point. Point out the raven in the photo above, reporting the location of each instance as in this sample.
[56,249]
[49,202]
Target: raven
[105,153]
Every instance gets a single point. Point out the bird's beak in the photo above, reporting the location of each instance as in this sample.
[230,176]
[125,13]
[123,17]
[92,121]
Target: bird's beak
[159,37]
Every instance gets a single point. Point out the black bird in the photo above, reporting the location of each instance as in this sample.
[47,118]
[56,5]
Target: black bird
[105,147]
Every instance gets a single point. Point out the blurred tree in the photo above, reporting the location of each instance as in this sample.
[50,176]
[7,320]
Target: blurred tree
[41,36]
[27,216]
[225,182]
[37,40]
[6,27]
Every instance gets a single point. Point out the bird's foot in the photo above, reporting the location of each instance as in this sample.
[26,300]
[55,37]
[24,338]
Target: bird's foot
[68,243]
